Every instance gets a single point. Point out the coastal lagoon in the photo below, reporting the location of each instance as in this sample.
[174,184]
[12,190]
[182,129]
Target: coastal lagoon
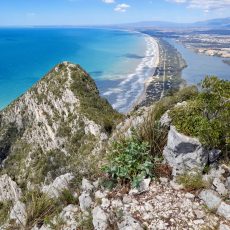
[119,61]
[200,65]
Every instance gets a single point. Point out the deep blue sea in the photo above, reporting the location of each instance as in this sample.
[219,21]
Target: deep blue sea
[113,58]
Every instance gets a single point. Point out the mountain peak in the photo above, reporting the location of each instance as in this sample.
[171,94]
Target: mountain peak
[57,117]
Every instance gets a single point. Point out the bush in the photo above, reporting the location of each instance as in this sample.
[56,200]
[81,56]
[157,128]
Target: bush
[171,100]
[207,116]
[130,161]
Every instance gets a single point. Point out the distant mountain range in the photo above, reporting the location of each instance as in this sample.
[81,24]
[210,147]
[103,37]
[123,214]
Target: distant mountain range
[213,24]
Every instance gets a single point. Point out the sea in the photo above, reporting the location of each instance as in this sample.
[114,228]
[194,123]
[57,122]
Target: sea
[119,61]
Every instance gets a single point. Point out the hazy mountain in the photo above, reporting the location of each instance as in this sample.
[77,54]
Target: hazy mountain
[210,24]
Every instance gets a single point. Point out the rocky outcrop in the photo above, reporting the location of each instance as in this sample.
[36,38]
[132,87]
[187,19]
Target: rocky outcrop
[215,197]
[68,215]
[59,184]
[18,213]
[211,199]
[184,153]
[100,219]
[9,190]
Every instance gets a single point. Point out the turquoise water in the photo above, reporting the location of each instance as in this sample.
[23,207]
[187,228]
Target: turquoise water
[200,65]
[110,57]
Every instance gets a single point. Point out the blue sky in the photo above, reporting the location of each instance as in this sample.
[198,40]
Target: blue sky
[90,12]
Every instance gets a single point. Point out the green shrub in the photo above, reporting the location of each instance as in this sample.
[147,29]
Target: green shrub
[207,116]
[192,181]
[170,101]
[130,161]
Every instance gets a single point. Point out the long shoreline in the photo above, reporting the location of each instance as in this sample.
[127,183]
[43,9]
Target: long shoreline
[167,75]
[147,82]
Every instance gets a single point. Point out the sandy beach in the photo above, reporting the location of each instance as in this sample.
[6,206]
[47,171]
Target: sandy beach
[155,64]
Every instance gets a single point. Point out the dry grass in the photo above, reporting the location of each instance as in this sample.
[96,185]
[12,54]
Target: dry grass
[153,133]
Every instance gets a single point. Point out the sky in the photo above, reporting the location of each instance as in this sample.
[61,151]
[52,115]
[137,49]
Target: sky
[100,12]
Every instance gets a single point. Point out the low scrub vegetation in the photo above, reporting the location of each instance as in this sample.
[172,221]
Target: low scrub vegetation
[207,116]
[92,105]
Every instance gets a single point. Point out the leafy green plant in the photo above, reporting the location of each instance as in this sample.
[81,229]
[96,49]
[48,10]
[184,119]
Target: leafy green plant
[130,161]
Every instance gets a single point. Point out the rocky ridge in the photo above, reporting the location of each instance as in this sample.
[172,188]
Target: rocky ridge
[52,122]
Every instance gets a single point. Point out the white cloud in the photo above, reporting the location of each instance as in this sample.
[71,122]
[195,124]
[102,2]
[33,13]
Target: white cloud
[206,5]
[122,7]
[108,1]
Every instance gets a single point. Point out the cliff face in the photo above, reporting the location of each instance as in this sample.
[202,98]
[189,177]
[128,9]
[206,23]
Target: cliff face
[56,127]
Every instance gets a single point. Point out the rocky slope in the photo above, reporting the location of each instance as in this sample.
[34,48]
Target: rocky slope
[54,139]
[57,126]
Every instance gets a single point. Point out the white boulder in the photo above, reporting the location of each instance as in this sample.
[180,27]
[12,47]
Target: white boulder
[18,213]
[68,215]
[129,223]
[184,153]
[86,185]
[59,184]
[210,198]
[9,189]
[85,201]
[100,219]
[224,210]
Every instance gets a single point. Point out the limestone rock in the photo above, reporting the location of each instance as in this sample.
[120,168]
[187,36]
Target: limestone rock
[86,185]
[18,213]
[9,189]
[227,183]
[163,180]
[184,153]
[224,227]
[213,155]
[165,120]
[68,215]
[175,185]
[59,184]
[129,223]
[224,210]
[220,187]
[85,201]
[144,187]
[105,203]
[99,195]
[100,219]
[199,214]
[211,198]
